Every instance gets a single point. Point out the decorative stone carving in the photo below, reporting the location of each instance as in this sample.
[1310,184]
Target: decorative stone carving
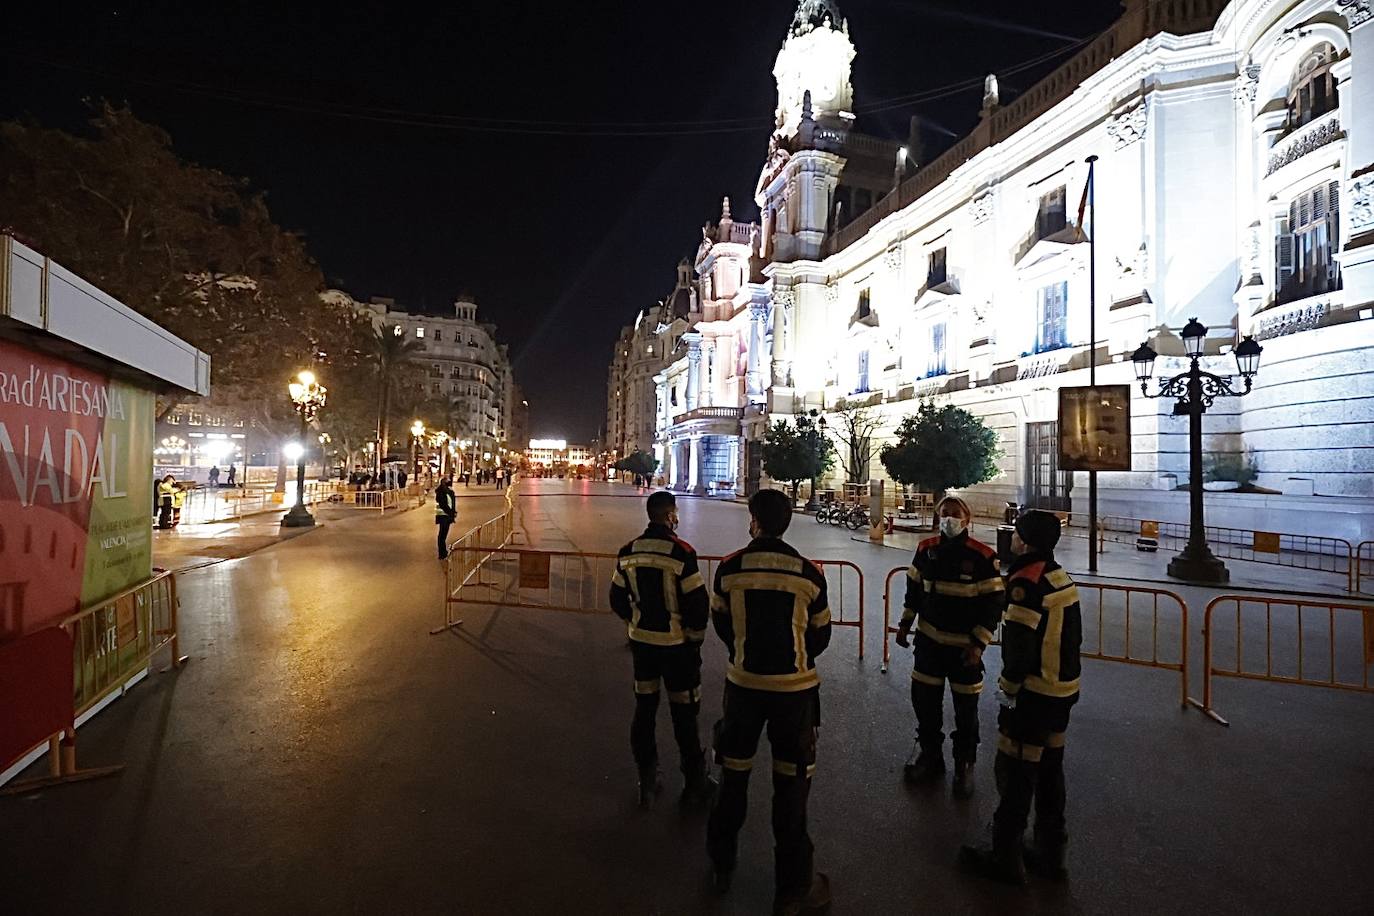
[893,257]
[1356,12]
[758,312]
[980,208]
[1128,126]
[1328,131]
[832,292]
[1291,322]
[1289,39]
[784,297]
[981,310]
[1361,196]
[1247,83]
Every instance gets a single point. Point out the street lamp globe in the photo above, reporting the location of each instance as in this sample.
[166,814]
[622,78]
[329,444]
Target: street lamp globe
[1194,334]
[1144,359]
[1248,357]
[293,451]
[417,429]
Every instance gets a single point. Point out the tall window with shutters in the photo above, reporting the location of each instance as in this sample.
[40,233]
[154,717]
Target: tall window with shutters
[1308,239]
[1312,91]
[936,364]
[1052,332]
[861,382]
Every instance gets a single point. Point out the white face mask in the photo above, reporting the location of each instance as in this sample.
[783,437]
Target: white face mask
[952,526]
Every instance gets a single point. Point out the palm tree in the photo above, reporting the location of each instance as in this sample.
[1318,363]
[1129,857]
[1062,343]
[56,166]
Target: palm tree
[393,350]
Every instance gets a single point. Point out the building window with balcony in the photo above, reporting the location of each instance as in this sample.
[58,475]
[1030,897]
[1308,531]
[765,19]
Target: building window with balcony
[1312,92]
[1308,239]
[1052,331]
[865,303]
[1052,215]
[935,365]
[935,268]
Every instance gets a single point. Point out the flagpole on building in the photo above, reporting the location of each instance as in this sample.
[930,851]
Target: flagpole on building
[1092,349]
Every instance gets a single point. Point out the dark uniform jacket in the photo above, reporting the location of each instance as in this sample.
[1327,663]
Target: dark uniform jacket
[954,592]
[1042,630]
[445,503]
[771,610]
[658,590]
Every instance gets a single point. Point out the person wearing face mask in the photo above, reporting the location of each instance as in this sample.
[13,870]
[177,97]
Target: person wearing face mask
[954,600]
[770,607]
[1041,634]
[658,591]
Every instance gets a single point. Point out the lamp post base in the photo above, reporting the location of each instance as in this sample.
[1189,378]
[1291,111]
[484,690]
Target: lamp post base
[1199,566]
[298,517]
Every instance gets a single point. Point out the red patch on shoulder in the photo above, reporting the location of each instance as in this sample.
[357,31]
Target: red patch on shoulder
[982,548]
[928,543]
[1032,572]
[683,544]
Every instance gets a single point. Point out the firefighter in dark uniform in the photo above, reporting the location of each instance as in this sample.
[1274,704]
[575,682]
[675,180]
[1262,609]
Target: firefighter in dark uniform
[769,607]
[954,599]
[1041,633]
[658,591]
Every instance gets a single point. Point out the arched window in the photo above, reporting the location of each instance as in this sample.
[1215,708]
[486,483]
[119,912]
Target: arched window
[1312,92]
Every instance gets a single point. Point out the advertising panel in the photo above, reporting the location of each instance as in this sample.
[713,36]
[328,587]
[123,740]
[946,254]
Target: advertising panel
[75,488]
[1095,428]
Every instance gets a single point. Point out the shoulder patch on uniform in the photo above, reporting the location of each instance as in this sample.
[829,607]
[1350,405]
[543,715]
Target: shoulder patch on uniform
[1033,572]
[928,542]
[982,548]
[817,565]
[1018,593]
[683,544]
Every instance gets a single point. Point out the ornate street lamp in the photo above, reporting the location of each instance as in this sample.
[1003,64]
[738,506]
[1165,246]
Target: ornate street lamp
[308,397]
[1194,391]
[417,429]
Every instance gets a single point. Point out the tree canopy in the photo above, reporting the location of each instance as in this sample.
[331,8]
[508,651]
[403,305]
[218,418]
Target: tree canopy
[796,452]
[941,448]
[638,462]
[190,247]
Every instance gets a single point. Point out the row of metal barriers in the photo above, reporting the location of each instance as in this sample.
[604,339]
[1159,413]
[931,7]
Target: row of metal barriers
[1282,639]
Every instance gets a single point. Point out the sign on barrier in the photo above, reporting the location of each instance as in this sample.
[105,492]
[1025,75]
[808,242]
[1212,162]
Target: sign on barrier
[1289,640]
[1129,624]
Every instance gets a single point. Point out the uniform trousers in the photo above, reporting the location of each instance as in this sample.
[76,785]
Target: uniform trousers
[933,664]
[678,668]
[1030,767]
[792,720]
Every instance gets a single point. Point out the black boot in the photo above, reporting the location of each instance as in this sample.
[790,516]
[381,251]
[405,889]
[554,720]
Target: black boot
[700,788]
[815,901]
[649,786]
[924,765]
[1047,859]
[1000,862]
[963,779]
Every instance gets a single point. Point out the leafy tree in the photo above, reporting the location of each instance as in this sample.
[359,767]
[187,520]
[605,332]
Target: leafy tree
[854,427]
[941,448]
[190,247]
[797,452]
[394,352]
[641,463]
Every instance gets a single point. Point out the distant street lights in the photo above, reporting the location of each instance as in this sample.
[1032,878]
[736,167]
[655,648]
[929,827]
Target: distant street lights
[308,396]
[1195,390]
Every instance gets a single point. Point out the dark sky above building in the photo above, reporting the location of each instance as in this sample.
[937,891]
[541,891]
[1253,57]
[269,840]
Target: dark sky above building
[555,159]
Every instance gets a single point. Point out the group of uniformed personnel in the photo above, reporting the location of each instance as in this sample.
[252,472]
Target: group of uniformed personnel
[768,604]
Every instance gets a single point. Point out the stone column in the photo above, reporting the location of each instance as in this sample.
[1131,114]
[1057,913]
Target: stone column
[1356,88]
[693,369]
[705,384]
[782,301]
[758,321]
[696,482]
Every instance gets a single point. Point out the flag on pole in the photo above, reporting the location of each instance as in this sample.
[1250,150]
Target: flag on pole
[1083,205]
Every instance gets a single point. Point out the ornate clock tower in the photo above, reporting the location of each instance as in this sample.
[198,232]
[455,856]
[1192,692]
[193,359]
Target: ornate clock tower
[815,58]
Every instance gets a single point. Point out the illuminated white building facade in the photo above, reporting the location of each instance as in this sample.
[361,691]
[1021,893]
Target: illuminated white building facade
[1235,184]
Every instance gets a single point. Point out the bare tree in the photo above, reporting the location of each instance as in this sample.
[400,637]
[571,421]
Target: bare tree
[854,427]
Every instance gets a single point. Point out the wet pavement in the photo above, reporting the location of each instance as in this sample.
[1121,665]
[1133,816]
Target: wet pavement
[322,754]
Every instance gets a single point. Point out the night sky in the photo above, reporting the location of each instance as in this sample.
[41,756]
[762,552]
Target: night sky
[483,147]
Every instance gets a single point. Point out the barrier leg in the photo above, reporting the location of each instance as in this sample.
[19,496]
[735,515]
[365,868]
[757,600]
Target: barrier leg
[1206,704]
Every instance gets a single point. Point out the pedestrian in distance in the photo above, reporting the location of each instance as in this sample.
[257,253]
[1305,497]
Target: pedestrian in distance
[658,591]
[214,476]
[954,600]
[445,513]
[166,496]
[232,480]
[500,475]
[1041,634]
[769,606]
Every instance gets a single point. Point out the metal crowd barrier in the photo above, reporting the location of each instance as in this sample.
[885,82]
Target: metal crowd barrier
[493,573]
[1363,561]
[469,554]
[1331,645]
[1118,611]
[116,639]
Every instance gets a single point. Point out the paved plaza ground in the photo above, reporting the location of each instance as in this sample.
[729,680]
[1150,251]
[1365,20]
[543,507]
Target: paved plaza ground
[322,753]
